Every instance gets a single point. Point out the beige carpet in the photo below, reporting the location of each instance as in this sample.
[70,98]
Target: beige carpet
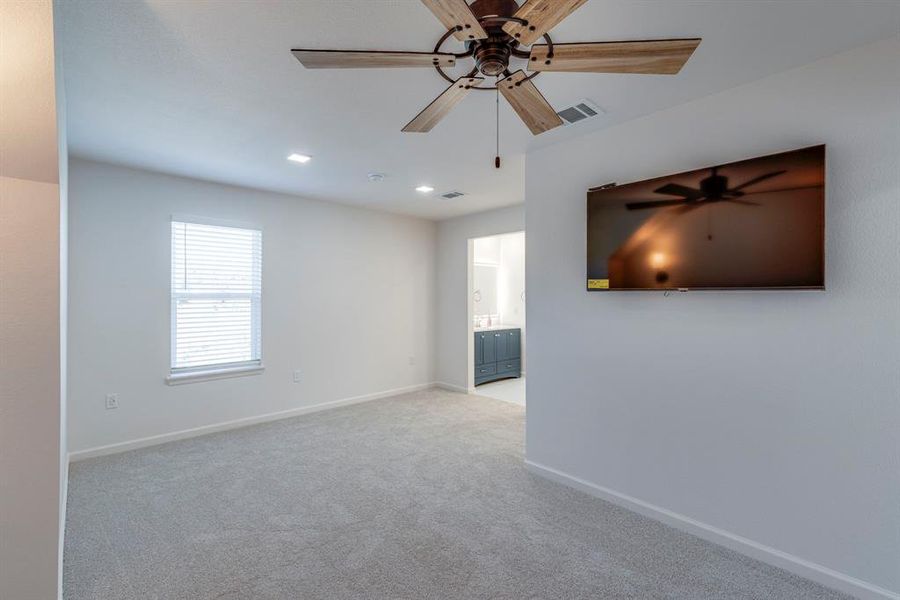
[416,497]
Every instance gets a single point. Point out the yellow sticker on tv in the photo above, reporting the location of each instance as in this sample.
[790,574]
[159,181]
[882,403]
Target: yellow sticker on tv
[598,284]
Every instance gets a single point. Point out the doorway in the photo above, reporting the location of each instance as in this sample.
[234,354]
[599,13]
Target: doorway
[496,323]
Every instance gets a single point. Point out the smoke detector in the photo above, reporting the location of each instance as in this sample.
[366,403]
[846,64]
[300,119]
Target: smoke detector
[581,110]
[376,177]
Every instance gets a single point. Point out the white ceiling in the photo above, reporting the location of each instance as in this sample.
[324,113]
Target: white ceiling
[210,90]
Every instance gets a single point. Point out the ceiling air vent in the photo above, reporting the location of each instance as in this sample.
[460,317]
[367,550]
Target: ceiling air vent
[583,109]
[451,195]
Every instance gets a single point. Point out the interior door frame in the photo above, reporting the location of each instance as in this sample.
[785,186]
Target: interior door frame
[470,303]
[470,315]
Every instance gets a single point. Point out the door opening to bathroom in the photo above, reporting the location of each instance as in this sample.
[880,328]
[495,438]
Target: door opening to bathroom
[497,316]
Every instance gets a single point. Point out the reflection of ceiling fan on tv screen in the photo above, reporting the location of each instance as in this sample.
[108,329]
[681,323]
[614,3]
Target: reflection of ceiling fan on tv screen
[712,189]
[493,33]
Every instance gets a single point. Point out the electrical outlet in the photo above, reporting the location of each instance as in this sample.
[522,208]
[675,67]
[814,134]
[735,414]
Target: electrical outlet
[297,376]
[112,401]
[412,361]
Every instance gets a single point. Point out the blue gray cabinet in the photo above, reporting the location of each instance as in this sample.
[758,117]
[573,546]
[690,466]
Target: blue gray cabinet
[497,354]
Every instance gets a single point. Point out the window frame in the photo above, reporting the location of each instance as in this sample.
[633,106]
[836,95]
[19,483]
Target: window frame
[179,375]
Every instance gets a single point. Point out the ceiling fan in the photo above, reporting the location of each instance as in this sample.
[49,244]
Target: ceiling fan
[495,31]
[712,189]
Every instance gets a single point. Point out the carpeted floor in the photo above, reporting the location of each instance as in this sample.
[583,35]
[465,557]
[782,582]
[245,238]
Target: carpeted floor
[421,496]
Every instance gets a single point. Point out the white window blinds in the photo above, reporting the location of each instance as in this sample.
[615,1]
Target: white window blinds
[216,297]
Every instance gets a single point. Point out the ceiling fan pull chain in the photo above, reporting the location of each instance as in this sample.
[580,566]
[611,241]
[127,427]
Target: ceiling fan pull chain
[497,157]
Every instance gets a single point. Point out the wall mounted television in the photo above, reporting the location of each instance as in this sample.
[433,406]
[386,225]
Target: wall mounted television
[751,224]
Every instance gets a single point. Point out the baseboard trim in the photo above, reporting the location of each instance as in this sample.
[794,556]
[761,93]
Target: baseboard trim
[64,510]
[155,440]
[783,560]
[450,387]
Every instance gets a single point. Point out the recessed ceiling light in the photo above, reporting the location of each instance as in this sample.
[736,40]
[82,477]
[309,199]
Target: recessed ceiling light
[376,177]
[425,189]
[299,158]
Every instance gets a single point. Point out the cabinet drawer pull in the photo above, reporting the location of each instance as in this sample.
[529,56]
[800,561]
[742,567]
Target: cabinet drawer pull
[496,335]
[484,370]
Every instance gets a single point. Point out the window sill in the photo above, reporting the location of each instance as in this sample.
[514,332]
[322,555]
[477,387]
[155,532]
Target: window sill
[212,374]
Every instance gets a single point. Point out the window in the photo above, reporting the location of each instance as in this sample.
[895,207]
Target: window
[216,300]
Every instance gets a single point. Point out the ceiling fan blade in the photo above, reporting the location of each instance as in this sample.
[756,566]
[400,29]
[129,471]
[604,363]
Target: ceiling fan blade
[541,16]
[757,180]
[365,59]
[744,202]
[674,189]
[456,15]
[663,57]
[442,105]
[528,102]
[653,204]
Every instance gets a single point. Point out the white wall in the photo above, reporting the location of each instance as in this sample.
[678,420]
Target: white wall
[512,278]
[453,235]
[32,369]
[511,285]
[487,250]
[770,415]
[30,373]
[348,298]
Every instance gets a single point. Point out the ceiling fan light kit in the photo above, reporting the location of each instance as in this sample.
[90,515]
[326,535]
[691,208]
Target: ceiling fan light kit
[493,33]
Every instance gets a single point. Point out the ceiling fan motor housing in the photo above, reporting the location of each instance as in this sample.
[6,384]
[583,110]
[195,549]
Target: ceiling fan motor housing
[714,187]
[492,55]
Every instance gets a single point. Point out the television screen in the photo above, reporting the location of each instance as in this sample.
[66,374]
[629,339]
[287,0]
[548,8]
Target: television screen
[757,223]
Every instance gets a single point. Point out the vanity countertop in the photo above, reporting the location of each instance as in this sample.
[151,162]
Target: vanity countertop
[496,328]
